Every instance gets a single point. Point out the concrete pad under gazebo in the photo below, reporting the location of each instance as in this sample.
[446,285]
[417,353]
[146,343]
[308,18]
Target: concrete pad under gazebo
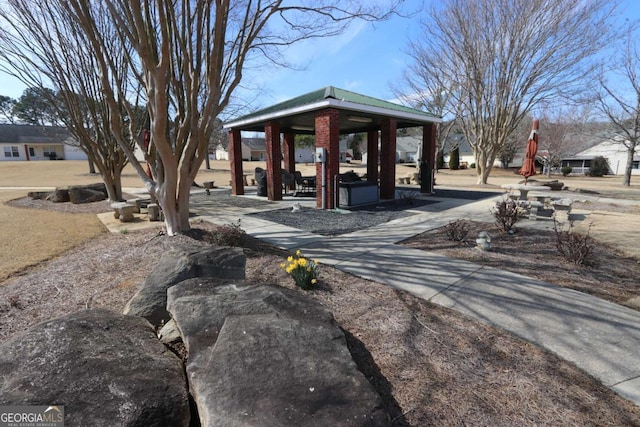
[327,113]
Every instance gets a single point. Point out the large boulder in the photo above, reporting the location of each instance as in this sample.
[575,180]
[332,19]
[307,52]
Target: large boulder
[219,262]
[60,195]
[82,194]
[105,368]
[263,355]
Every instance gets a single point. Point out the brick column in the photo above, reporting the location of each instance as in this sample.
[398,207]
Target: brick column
[274,161]
[428,156]
[327,136]
[372,156]
[235,158]
[387,159]
[289,151]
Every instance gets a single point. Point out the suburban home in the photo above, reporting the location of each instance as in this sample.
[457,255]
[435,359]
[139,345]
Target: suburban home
[611,149]
[28,142]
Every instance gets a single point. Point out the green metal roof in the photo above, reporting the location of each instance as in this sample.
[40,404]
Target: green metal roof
[331,96]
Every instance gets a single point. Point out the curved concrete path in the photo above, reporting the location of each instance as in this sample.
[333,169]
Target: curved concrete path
[600,337]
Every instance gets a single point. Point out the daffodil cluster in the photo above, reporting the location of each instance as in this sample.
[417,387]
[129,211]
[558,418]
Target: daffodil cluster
[303,271]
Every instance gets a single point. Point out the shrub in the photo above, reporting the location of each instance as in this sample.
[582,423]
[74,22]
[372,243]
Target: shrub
[228,235]
[507,213]
[440,160]
[454,159]
[303,271]
[599,166]
[472,165]
[566,170]
[457,230]
[573,247]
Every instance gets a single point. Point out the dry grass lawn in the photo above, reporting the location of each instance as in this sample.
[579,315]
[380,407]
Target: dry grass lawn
[32,236]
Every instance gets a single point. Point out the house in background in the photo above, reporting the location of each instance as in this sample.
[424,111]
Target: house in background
[407,148]
[28,142]
[611,149]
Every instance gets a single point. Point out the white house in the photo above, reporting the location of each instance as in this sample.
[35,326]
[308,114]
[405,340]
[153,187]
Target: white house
[611,149]
[28,142]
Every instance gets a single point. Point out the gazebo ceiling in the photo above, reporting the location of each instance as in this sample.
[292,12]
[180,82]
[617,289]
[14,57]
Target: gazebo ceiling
[358,113]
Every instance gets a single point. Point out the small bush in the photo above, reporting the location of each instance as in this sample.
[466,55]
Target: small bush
[599,166]
[454,159]
[566,170]
[573,247]
[228,235]
[303,271]
[507,213]
[457,230]
[472,165]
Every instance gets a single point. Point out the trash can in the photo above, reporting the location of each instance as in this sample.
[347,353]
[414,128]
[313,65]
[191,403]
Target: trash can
[261,182]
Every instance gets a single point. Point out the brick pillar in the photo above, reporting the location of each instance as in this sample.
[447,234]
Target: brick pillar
[274,161]
[235,158]
[372,156]
[289,151]
[327,137]
[428,156]
[387,159]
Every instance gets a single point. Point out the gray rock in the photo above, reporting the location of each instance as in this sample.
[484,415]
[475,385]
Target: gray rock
[262,355]
[60,195]
[105,368]
[79,195]
[169,334]
[219,262]
[39,195]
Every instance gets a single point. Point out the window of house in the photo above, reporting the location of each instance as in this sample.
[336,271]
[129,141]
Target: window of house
[32,152]
[50,152]
[11,151]
[636,164]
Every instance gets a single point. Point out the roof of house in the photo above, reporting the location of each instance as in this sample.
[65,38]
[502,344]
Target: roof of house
[408,144]
[30,134]
[299,113]
[255,144]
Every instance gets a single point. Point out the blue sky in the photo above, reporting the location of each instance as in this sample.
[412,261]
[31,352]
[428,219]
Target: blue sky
[367,58]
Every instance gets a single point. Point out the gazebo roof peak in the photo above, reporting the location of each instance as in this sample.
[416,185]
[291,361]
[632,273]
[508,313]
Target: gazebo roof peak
[333,97]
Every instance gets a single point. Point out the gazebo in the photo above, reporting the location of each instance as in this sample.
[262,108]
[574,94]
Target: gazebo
[327,113]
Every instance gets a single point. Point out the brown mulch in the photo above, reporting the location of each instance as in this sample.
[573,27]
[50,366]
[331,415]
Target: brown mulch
[431,365]
[607,274]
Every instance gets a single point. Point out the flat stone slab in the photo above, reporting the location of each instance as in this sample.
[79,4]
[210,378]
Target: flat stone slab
[263,355]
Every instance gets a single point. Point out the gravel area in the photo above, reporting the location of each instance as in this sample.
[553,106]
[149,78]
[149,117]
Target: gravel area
[341,221]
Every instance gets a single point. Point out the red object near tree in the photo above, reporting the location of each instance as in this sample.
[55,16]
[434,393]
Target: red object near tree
[529,166]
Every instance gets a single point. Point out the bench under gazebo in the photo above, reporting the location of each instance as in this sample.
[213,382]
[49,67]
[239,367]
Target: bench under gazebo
[328,113]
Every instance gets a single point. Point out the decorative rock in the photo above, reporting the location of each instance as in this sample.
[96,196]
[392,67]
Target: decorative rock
[105,368]
[264,355]
[39,195]
[80,195]
[60,195]
[217,262]
[483,241]
[169,333]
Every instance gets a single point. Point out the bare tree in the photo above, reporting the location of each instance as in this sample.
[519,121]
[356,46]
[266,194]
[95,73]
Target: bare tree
[561,132]
[43,45]
[500,58]
[190,57]
[620,101]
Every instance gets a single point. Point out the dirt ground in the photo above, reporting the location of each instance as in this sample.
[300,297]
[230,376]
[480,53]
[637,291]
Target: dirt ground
[432,366]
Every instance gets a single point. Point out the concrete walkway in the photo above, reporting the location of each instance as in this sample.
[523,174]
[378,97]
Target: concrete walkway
[600,337]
